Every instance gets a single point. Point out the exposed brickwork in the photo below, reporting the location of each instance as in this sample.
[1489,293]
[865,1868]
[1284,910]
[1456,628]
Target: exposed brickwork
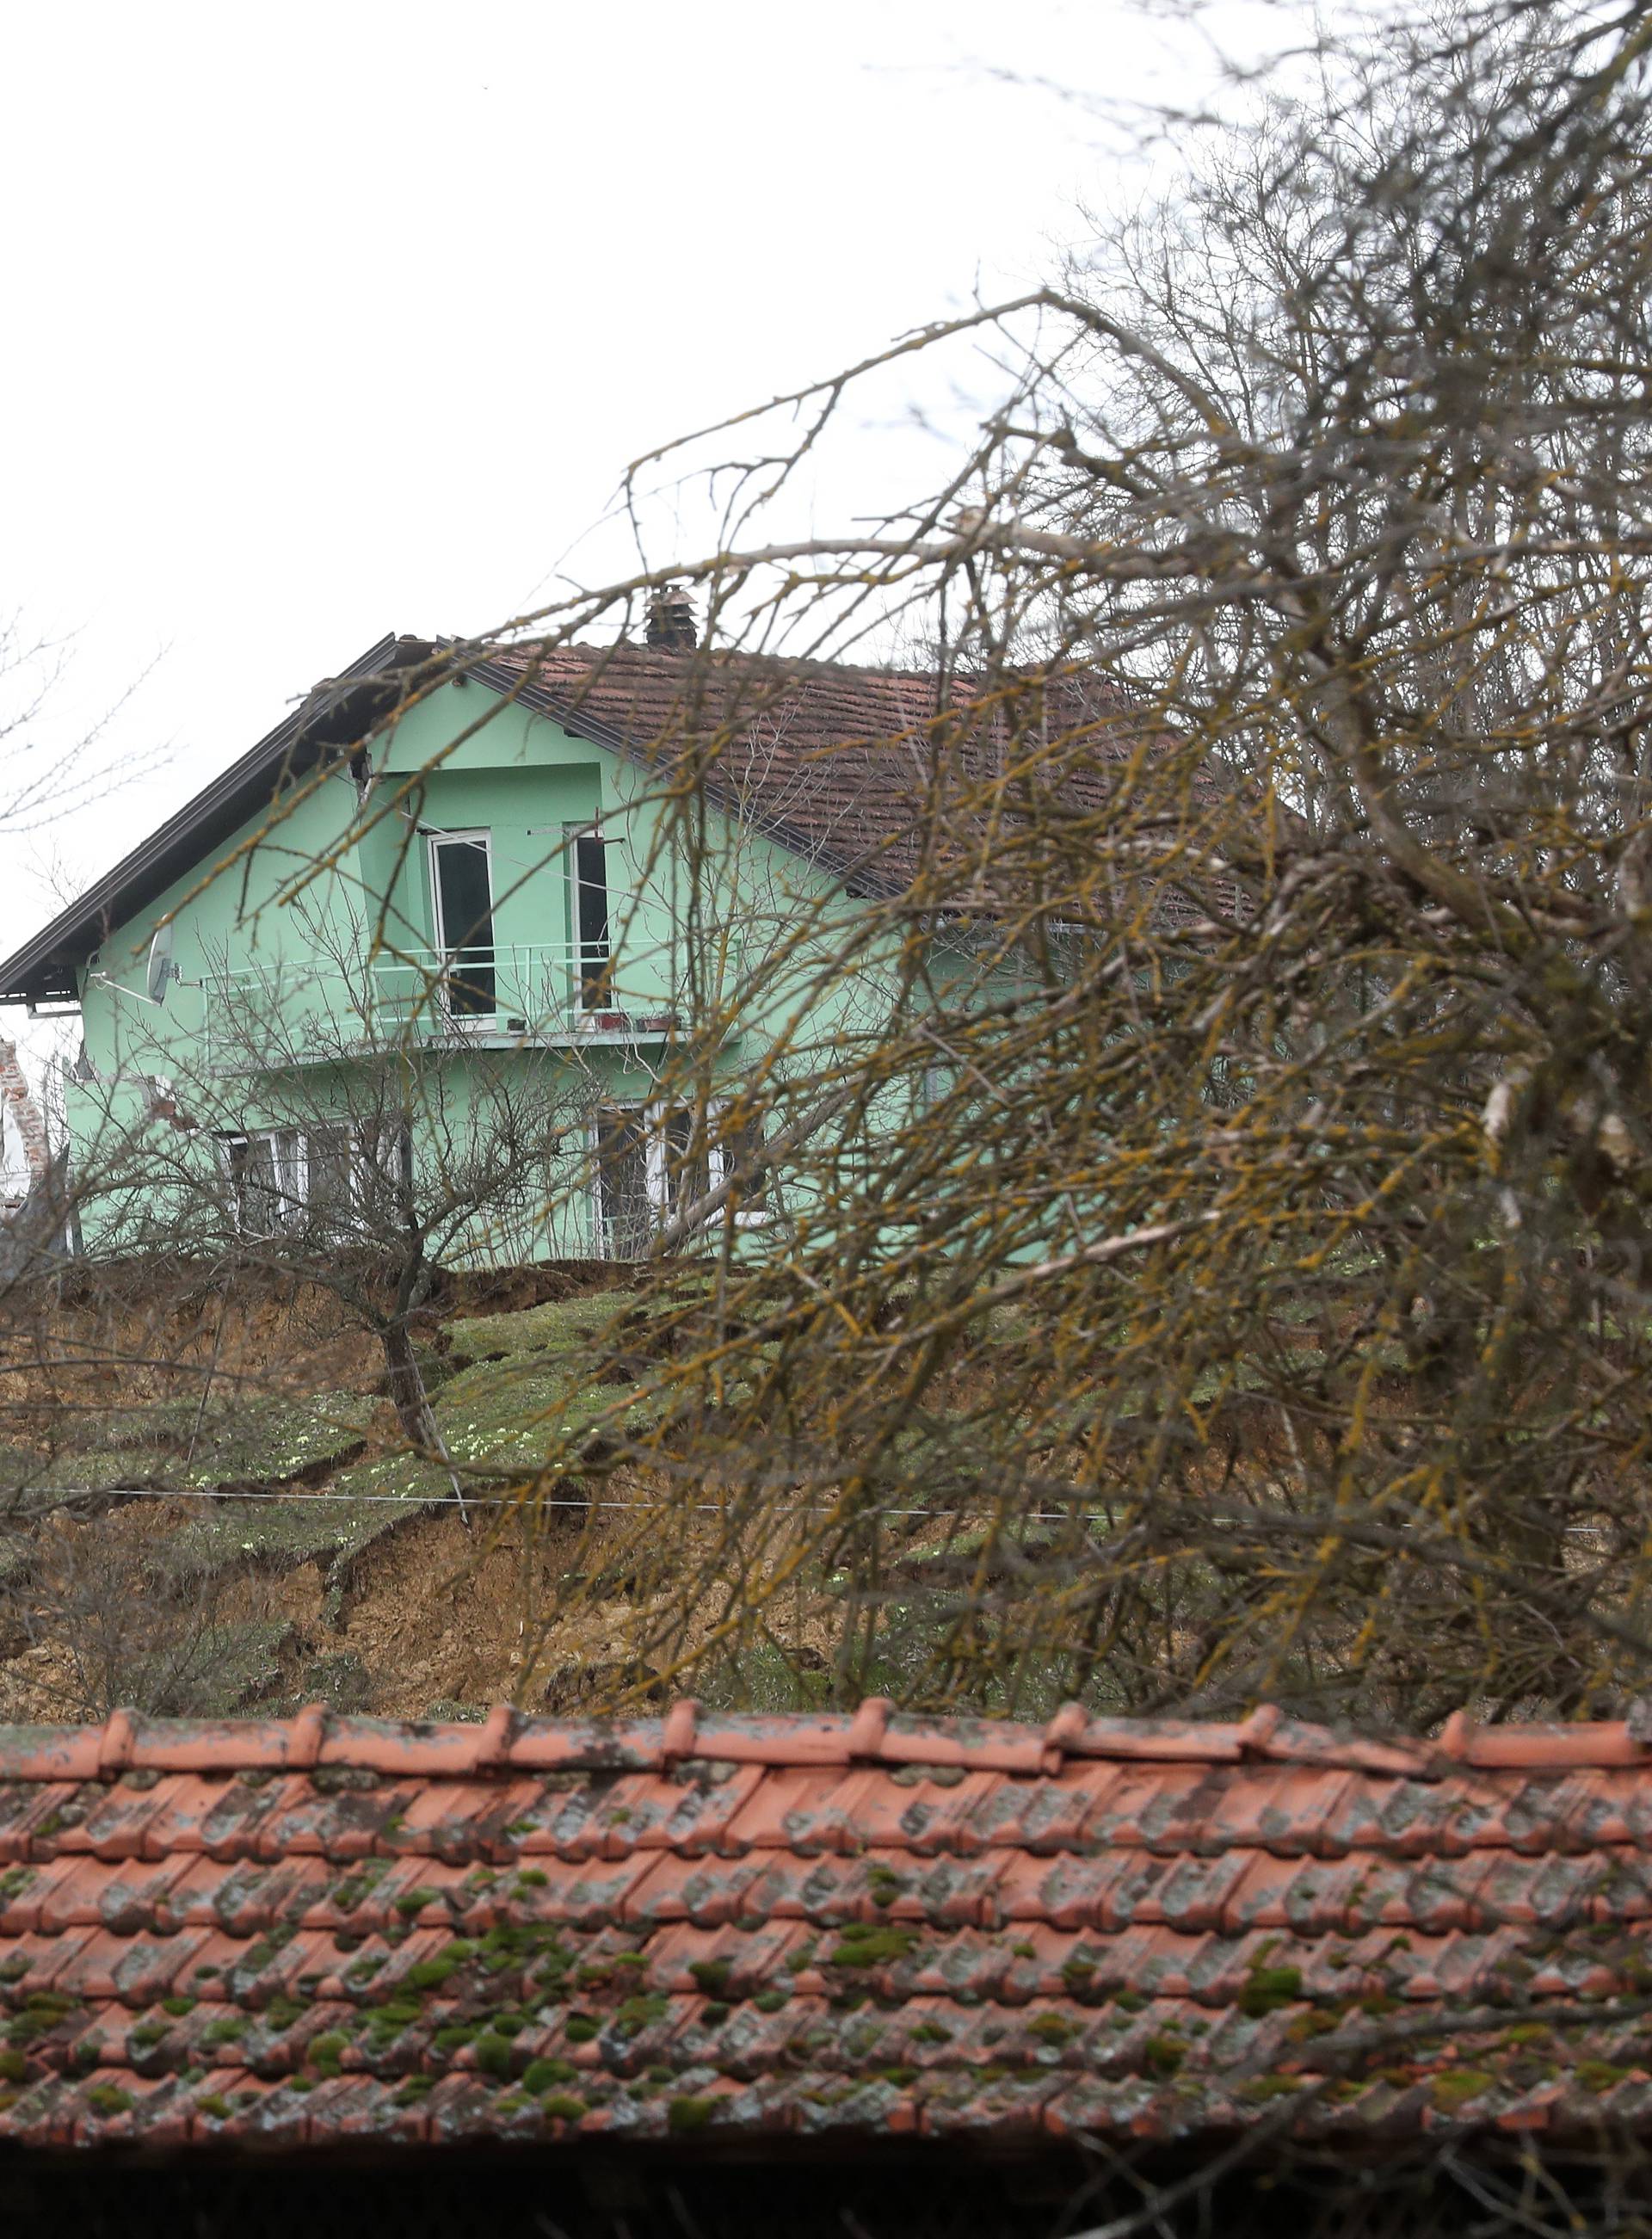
[25,1112]
[324,1928]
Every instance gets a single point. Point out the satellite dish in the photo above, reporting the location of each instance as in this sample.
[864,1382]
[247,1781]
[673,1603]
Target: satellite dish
[161,968]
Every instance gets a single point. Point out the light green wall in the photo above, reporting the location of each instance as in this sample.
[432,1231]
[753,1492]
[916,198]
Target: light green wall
[319,878]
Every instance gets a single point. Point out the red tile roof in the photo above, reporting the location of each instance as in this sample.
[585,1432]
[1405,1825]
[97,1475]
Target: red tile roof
[335,1929]
[840,762]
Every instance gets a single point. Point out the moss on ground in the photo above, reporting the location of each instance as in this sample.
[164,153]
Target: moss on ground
[512,1393]
[252,1443]
[586,1329]
[505,1414]
[309,1528]
[564,1326]
[512,1414]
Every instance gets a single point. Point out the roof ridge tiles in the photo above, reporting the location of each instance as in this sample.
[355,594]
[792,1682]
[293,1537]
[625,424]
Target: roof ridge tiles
[876,1733]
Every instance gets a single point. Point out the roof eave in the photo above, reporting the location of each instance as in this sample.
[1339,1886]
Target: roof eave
[44,969]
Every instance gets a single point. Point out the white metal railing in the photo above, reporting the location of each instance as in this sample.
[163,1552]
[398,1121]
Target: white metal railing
[538,991]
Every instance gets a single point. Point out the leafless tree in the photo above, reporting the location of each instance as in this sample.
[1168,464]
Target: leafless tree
[303,1142]
[1212,1118]
[1220,1270]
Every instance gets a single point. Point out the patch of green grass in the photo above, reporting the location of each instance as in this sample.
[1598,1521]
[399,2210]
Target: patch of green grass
[281,1534]
[760,1677]
[561,1326]
[517,1414]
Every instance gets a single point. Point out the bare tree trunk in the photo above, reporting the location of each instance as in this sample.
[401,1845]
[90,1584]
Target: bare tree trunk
[412,1404]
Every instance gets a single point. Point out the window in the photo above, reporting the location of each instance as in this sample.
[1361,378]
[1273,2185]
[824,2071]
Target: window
[327,1181]
[462,886]
[255,1183]
[654,1161]
[742,1149]
[681,1163]
[588,863]
[281,1177]
[625,1219]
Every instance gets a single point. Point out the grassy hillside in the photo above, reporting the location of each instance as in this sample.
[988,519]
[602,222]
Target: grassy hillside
[207,1508]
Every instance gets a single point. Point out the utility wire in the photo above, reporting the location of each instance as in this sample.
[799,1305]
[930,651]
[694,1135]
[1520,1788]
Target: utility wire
[499,1500]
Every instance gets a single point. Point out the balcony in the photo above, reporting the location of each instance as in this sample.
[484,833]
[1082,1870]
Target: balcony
[543,996]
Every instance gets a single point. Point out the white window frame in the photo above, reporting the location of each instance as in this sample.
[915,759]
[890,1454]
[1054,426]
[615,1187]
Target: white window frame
[593,1142]
[656,1112]
[462,1021]
[290,1165]
[592,828]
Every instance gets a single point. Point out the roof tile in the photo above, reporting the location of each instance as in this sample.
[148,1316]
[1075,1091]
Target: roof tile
[871,1923]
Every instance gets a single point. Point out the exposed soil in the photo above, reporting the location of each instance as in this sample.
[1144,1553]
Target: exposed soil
[305,1560]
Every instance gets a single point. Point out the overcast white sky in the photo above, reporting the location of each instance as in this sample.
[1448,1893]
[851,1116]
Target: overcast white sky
[340,318]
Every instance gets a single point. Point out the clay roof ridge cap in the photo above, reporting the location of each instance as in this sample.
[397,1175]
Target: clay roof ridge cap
[314,1735]
[868,1727]
[1064,1731]
[117,1742]
[677,1734]
[495,1738]
[1254,1733]
[1548,1745]
[306,1736]
[1456,1735]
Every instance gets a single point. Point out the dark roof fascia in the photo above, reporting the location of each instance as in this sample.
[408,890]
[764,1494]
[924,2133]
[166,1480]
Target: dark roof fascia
[853,871]
[42,970]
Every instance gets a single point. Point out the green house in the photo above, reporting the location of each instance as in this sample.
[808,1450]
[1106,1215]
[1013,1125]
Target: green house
[553,926]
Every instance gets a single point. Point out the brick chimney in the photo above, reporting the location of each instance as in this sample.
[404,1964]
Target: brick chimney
[671,619]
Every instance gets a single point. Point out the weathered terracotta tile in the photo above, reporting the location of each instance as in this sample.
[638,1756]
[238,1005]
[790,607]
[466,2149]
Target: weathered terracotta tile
[864,1921]
[26,1807]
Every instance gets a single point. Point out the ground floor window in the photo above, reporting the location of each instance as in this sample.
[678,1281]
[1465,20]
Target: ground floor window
[655,1160]
[283,1177]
